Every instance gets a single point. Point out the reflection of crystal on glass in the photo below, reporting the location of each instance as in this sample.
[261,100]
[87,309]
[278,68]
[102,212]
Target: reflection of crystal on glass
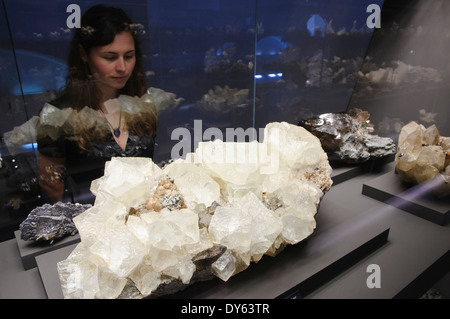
[154,231]
[223,100]
[21,135]
[54,116]
[395,75]
[163,100]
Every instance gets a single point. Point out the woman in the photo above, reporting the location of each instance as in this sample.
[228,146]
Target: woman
[105,63]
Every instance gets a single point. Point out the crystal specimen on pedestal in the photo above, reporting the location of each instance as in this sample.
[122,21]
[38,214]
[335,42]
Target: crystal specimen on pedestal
[154,231]
[423,156]
[348,137]
[49,222]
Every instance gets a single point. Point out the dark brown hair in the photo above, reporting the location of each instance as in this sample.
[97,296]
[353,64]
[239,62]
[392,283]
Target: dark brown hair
[99,26]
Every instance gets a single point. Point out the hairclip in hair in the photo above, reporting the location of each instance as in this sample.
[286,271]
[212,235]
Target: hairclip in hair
[137,28]
[87,30]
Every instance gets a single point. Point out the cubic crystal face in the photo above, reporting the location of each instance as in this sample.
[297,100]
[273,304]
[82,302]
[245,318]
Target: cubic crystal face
[423,157]
[154,231]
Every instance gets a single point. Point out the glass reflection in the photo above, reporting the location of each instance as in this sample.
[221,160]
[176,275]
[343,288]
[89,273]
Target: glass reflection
[224,64]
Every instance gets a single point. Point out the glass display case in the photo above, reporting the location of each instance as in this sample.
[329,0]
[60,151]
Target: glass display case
[404,76]
[227,65]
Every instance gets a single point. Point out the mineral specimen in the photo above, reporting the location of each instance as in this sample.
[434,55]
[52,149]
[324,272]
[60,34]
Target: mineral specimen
[348,137]
[423,156]
[163,100]
[223,100]
[402,73]
[56,122]
[153,231]
[49,222]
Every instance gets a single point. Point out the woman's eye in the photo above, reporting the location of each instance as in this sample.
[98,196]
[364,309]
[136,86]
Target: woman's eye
[110,58]
[129,57]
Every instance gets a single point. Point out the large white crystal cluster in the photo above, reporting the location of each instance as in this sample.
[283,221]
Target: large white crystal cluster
[149,225]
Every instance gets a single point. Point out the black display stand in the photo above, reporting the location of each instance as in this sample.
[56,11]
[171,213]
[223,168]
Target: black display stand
[297,271]
[343,172]
[328,273]
[30,249]
[47,266]
[417,199]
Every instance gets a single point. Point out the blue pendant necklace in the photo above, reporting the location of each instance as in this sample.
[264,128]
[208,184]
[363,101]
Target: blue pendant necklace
[116,131]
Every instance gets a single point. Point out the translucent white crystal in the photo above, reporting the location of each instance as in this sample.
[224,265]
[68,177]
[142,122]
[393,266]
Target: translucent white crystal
[174,229]
[81,278]
[232,228]
[253,198]
[232,162]
[193,182]
[134,187]
[118,250]
[92,223]
[78,275]
[297,215]
[183,270]
[146,279]
[197,247]
[235,192]
[139,229]
[225,266]
[247,227]
[110,285]
[295,145]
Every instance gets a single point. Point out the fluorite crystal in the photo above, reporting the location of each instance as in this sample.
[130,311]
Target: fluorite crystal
[349,137]
[423,156]
[154,231]
[49,222]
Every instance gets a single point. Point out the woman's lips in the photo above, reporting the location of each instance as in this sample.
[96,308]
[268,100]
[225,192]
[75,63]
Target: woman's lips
[120,78]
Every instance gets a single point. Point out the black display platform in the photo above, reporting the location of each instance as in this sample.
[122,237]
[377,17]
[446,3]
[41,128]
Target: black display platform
[29,249]
[295,272]
[417,200]
[310,264]
[343,172]
[47,264]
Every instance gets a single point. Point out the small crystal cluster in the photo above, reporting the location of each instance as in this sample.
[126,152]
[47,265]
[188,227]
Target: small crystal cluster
[223,100]
[153,231]
[423,156]
[349,137]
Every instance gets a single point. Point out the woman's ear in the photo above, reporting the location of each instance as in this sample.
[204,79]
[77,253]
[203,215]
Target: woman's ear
[83,53]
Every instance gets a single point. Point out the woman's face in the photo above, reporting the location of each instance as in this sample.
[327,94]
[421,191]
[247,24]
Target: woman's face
[112,64]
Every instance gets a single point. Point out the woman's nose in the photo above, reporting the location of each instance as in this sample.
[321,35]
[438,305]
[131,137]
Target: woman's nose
[120,65]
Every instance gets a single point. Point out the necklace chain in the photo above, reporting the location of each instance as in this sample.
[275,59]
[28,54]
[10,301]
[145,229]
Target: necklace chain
[116,131]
